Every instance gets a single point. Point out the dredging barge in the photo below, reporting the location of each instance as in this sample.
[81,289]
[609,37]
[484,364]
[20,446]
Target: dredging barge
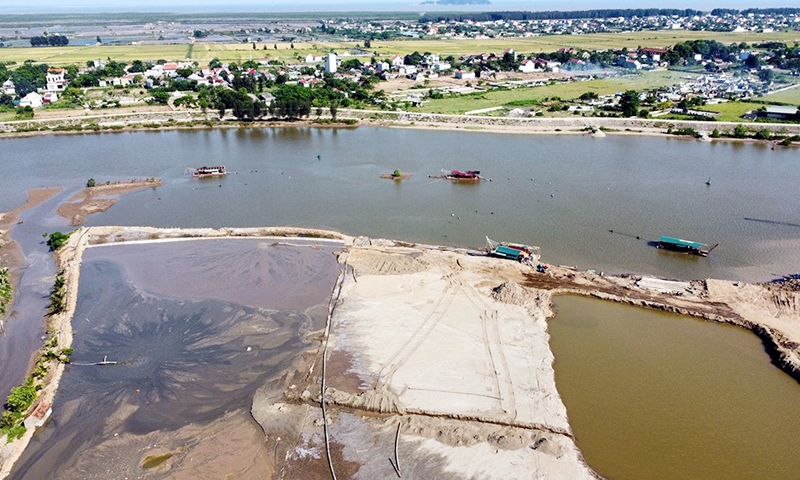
[684,246]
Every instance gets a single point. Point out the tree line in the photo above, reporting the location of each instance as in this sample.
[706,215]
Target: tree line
[49,41]
[560,15]
[719,12]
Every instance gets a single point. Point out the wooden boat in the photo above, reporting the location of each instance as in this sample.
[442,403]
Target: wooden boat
[459,175]
[513,251]
[684,246]
[202,172]
[396,175]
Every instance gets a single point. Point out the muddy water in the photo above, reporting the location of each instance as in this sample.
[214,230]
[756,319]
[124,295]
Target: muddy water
[197,327]
[654,395]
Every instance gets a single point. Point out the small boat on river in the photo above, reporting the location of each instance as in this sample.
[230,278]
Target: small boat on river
[396,175]
[459,175]
[202,172]
[684,246]
[513,251]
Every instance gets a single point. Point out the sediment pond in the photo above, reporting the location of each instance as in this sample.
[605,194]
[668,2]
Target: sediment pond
[656,395]
[196,326]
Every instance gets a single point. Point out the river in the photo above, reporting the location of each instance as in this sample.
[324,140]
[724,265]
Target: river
[563,193]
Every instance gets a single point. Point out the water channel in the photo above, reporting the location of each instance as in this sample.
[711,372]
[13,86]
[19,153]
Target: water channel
[564,193]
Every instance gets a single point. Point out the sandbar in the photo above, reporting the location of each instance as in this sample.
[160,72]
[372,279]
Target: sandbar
[100,198]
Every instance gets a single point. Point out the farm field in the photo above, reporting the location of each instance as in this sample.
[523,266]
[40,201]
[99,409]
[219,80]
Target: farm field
[237,52]
[82,54]
[550,43]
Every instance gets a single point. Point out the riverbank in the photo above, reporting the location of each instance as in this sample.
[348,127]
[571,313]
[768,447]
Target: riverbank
[154,118]
[450,346]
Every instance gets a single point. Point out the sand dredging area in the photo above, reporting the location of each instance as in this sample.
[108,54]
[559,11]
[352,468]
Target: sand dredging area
[435,362]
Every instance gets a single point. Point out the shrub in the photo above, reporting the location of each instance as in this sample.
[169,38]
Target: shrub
[21,398]
[90,183]
[56,240]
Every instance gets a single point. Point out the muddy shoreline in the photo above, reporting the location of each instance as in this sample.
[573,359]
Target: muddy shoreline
[406,275]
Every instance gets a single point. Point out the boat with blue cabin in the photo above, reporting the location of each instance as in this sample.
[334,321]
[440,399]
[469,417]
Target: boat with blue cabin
[684,246]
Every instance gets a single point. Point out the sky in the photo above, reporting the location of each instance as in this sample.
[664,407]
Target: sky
[196,6]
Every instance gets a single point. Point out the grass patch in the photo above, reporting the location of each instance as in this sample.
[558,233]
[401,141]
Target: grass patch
[791,96]
[533,95]
[731,111]
[6,291]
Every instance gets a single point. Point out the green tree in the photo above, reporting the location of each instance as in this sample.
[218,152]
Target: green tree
[766,75]
[334,108]
[740,131]
[137,66]
[752,61]
[629,103]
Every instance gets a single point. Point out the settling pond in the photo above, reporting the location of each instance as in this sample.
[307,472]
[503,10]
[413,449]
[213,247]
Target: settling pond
[196,326]
[656,395]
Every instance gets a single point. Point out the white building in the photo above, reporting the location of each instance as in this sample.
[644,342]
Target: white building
[9,88]
[330,63]
[442,67]
[55,80]
[528,66]
[464,75]
[33,100]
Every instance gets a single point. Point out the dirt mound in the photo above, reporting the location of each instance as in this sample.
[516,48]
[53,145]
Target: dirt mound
[511,293]
[375,262]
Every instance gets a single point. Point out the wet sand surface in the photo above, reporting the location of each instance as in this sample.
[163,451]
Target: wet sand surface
[197,327]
